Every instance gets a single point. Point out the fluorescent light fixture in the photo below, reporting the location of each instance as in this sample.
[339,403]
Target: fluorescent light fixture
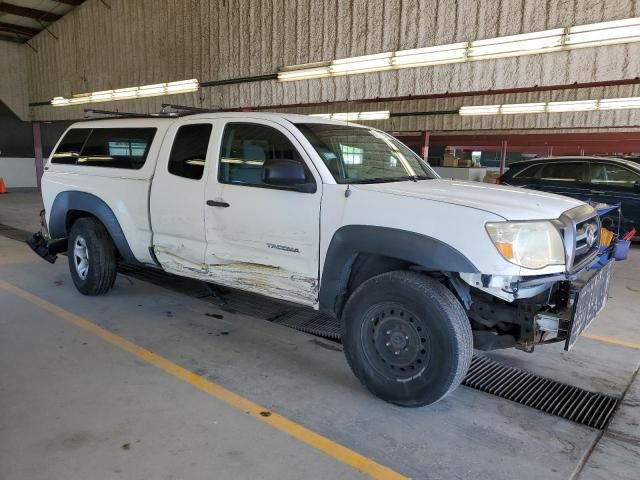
[354,116]
[553,107]
[304,72]
[182,86]
[619,103]
[577,106]
[604,33]
[59,101]
[525,44]
[102,96]
[123,93]
[151,90]
[366,63]
[514,108]
[80,98]
[380,115]
[480,110]
[455,52]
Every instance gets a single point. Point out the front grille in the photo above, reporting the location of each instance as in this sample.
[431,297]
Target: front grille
[583,236]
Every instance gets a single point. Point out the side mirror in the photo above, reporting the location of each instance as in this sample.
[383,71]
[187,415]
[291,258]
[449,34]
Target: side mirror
[284,172]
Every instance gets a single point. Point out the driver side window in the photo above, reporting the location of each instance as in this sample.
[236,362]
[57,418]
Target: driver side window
[246,146]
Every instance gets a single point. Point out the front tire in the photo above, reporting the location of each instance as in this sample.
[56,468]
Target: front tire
[92,257]
[407,338]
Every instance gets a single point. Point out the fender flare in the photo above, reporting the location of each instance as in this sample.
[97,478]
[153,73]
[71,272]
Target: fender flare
[351,240]
[87,202]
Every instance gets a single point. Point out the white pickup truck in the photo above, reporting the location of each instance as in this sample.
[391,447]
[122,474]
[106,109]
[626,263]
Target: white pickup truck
[339,217]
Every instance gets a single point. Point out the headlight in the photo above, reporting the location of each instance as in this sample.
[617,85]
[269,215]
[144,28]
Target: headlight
[528,244]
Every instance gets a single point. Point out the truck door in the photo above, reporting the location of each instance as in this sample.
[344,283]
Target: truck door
[262,238]
[177,198]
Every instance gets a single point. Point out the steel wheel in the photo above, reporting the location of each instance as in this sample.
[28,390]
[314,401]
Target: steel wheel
[395,341]
[81,257]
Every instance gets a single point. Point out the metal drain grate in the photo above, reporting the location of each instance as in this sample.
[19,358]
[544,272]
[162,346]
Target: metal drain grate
[312,322]
[566,401]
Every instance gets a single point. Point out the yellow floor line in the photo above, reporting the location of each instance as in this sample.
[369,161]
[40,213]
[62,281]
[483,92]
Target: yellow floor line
[614,341]
[331,448]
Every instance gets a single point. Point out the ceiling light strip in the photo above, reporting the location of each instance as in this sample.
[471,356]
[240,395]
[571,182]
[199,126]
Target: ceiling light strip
[158,89]
[592,35]
[553,107]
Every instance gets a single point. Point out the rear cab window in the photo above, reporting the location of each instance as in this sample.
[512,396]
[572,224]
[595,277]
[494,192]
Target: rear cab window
[189,151]
[125,148]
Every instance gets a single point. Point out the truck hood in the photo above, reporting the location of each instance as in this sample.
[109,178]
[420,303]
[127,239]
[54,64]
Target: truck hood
[511,203]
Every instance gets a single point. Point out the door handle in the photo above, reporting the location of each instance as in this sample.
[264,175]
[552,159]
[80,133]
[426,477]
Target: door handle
[597,192]
[213,203]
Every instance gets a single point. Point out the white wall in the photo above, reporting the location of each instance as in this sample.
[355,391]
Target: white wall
[18,173]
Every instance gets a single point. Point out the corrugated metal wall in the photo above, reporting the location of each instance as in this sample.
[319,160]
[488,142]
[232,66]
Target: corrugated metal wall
[13,78]
[123,43]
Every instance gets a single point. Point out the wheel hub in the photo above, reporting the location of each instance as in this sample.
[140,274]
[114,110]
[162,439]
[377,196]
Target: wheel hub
[395,341]
[81,257]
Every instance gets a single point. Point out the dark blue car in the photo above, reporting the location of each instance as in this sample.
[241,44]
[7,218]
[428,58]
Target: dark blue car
[600,179]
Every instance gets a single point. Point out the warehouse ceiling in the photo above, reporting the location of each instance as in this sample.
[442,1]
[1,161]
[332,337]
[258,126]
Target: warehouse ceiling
[21,20]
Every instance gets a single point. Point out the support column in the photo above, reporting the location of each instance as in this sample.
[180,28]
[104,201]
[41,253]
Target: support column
[424,149]
[37,149]
[503,157]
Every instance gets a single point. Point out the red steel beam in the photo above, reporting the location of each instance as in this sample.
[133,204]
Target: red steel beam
[529,139]
[37,148]
[468,93]
[29,12]
[424,148]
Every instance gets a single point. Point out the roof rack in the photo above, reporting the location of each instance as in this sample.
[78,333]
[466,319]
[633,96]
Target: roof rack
[181,110]
[90,112]
[168,110]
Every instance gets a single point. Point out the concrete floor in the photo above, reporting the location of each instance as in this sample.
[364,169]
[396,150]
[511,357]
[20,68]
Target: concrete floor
[74,406]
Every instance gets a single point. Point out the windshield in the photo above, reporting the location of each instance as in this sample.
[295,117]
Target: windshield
[363,155]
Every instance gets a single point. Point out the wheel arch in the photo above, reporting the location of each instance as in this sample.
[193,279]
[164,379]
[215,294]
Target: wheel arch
[355,249]
[68,206]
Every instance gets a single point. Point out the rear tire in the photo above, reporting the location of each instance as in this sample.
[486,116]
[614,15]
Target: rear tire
[92,257]
[407,338]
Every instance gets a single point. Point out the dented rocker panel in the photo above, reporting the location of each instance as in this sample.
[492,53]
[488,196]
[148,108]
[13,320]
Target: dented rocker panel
[271,281]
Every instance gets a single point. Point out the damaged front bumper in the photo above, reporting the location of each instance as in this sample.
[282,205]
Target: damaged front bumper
[558,312]
[43,245]
[587,299]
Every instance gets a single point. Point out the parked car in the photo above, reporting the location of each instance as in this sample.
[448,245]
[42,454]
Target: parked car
[338,217]
[603,180]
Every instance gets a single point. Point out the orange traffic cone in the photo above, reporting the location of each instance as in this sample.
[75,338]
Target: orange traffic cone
[3,187]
